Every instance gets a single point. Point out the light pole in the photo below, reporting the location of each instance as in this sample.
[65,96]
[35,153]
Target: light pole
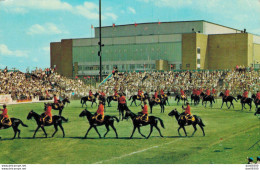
[100,44]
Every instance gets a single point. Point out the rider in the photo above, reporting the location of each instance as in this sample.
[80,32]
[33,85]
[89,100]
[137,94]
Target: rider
[207,93]
[139,94]
[162,93]
[198,92]
[194,92]
[214,91]
[100,112]
[145,113]
[56,101]
[257,97]
[183,94]
[122,100]
[227,93]
[245,95]
[115,94]
[5,118]
[156,96]
[47,115]
[187,111]
[90,94]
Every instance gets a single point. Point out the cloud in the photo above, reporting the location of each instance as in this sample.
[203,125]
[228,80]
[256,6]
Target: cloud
[132,10]
[48,28]
[5,51]
[46,49]
[88,10]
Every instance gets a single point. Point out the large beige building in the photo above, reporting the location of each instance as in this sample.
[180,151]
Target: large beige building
[158,46]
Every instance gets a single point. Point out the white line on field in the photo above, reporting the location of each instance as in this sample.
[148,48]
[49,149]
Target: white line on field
[132,153]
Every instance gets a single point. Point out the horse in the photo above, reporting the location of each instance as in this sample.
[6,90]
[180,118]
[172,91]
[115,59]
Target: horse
[244,102]
[86,99]
[135,97]
[60,107]
[108,121]
[257,102]
[206,99]
[121,109]
[111,98]
[15,123]
[153,103]
[227,99]
[152,121]
[178,97]
[165,98]
[195,98]
[182,122]
[257,111]
[56,121]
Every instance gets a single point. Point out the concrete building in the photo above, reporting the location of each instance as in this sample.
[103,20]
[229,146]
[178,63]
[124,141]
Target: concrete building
[185,45]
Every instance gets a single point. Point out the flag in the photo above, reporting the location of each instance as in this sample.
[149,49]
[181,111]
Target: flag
[114,25]
[85,77]
[76,77]
[92,26]
[135,24]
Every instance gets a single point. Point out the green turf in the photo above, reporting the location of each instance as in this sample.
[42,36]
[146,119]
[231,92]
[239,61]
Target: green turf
[229,135]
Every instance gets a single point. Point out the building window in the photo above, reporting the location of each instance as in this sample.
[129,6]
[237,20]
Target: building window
[180,66]
[132,66]
[198,50]
[107,67]
[188,65]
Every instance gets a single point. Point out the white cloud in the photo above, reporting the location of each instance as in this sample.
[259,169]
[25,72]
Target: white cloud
[110,15]
[5,51]
[88,10]
[132,10]
[46,49]
[48,28]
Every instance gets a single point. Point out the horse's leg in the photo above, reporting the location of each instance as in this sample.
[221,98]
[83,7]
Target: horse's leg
[91,104]
[44,132]
[222,104]
[195,129]
[135,103]
[133,133]
[36,131]
[56,129]
[151,130]
[184,130]
[15,131]
[179,131]
[113,127]
[60,111]
[139,130]
[131,103]
[97,131]
[250,106]
[88,131]
[61,127]
[202,129]
[107,126]
[158,130]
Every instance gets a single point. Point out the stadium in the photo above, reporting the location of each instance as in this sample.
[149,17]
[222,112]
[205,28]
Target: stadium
[160,46]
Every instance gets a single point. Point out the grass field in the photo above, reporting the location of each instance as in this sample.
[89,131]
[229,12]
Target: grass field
[229,135]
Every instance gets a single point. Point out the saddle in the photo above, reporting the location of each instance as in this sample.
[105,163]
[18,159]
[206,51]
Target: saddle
[90,97]
[6,122]
[157,100]
[98,118]
[188,118]
[143,118]
[183,96]
[115,97]
[46,120]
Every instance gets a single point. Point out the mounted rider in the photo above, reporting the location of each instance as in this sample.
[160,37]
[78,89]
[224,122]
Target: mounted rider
[57,102]
[257,98]
[198,92]
[115,94]
[213,91]
[90,95]
[139,94]
[47,117]
[183,96]
[245,95]
[207,93]
[226,94]
[194,92]
[145,115]
[99,115]
[156,98]
[187,113]
[5,120]
[122,100]
[162,93]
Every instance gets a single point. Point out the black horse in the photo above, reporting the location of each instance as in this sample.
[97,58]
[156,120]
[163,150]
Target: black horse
[135,97]
[56,121]
[110,99]
[195,98]
[86,99]
[182,122]
[152,121]
[153,103]
[122,108]
[244,101]
[58,107]
[165,97]
[108,121]
[227,99]
[15,123]
[257,102]
[178,98]
[206,98]
[257,111]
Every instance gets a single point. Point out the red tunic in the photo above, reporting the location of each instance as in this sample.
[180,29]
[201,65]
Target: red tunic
[4,114]
[115,93]
[139,93]
[90,93]
[182,93]
[198,92]
[55,100]
[103,94]
[145,110]
[48,111]
[258,95]
[213,91]
[245,94]
[187,110]
[156,95]
[208,92]
[122,100]
[194,91]
[227,93]
[100,109]
[162,93]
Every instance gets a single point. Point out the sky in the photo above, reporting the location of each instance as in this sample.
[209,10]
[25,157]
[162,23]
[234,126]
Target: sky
[28,26]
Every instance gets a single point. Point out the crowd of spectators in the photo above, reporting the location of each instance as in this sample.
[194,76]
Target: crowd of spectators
[39,84]
[235,80]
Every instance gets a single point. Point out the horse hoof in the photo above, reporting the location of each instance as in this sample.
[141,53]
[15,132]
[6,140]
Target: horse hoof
[162,136]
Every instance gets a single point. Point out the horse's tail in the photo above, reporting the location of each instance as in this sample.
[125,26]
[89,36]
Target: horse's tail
[108,99]
[161,121]
[114,117]
[200,122]
[130,98]
[64,119]
[24,125]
